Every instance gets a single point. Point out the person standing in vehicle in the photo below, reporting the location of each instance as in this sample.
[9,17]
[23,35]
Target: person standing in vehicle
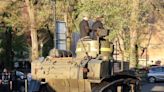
[6,81]
[97,26]
[84,27]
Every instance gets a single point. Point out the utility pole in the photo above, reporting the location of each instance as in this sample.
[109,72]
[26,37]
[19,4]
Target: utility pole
[146,56]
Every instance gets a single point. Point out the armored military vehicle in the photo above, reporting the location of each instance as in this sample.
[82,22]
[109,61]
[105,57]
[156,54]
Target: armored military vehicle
[90,70]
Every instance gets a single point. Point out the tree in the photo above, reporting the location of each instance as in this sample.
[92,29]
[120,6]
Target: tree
[116,18]
[29,16]
[32,16]
[134,33]
[35,52]
[128,21]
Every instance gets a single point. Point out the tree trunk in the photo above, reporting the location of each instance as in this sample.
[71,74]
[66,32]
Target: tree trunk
[67,19]
[35,53]
[8,47]
[133,33]
[127,44]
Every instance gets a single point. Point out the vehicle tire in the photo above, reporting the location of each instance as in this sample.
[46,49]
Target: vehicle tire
[151,79]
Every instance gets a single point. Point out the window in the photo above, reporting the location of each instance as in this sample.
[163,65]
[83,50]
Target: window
[162,69]
[157,69]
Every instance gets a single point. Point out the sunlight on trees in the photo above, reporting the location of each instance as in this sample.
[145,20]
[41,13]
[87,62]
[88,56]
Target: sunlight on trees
[130,21]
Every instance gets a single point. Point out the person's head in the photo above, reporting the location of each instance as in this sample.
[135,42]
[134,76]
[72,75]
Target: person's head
[99,17]
[5,70]
[85,18]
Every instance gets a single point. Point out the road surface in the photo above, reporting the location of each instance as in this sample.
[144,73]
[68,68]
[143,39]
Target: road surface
[153,87]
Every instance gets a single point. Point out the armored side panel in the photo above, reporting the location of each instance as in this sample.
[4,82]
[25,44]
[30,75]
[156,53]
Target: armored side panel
[61,75]
[97,69]
[55,68]
[69,85]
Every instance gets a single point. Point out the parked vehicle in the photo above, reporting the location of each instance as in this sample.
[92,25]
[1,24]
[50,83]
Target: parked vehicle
[156,73]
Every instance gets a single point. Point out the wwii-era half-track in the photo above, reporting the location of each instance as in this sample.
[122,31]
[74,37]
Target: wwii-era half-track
[91,70]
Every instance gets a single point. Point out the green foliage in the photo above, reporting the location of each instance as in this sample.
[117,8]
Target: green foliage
[118,18]
[19,43]
[17,14]
[1,44]
[116,13]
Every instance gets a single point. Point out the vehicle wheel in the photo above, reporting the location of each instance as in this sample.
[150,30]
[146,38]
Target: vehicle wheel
[152,79]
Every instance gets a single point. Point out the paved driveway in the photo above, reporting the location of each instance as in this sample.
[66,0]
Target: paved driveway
[153,87]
